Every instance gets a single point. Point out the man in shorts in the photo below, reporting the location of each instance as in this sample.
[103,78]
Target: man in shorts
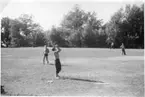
[112,44]
[45,54]
[123,49]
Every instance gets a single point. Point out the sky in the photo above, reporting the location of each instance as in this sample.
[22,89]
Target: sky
[48,13]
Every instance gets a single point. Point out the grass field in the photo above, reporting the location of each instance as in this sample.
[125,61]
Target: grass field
[87,71]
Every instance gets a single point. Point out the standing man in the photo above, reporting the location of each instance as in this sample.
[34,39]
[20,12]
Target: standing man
[112,44]
[123,49]
[45,54]
[56,50]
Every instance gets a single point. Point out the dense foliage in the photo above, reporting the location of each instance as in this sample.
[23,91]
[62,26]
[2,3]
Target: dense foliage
[78,29]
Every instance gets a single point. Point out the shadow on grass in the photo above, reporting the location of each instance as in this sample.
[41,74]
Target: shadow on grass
[81,79]
[54,64]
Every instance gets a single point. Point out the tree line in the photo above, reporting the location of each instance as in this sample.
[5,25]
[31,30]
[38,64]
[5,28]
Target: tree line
[78,29]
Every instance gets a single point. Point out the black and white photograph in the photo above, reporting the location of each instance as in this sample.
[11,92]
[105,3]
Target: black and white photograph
[72,48]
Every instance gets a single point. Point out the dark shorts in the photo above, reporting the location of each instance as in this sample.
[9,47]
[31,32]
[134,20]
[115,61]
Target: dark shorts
[46,55]
[57,65]
[123,50]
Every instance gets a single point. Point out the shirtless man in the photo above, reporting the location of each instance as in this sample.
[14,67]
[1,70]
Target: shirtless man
[56,50]
[123,49]
[45,54]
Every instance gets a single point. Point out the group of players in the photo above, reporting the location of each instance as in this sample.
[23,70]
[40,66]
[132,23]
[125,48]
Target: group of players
[56,49]
[122,48]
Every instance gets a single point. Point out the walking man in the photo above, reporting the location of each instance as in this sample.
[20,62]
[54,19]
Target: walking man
[123,49]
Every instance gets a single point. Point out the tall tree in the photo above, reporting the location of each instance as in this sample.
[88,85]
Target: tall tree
[127,26]
[133,26]
[77,21]
[74,21]
[113,28]
[5,30]
[57,36]
[15,33]
[24,32]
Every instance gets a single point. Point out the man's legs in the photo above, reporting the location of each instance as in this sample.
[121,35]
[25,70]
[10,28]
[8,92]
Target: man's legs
[124,52]
[58,70]
[47,59]
[44,59]
[58,67]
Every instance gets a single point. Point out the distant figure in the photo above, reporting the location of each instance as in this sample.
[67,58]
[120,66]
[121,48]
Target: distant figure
[56,50]
[123,49]
[112,44]
[46,51]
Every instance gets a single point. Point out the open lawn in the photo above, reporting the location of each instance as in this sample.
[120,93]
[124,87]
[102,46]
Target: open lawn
[85,71]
